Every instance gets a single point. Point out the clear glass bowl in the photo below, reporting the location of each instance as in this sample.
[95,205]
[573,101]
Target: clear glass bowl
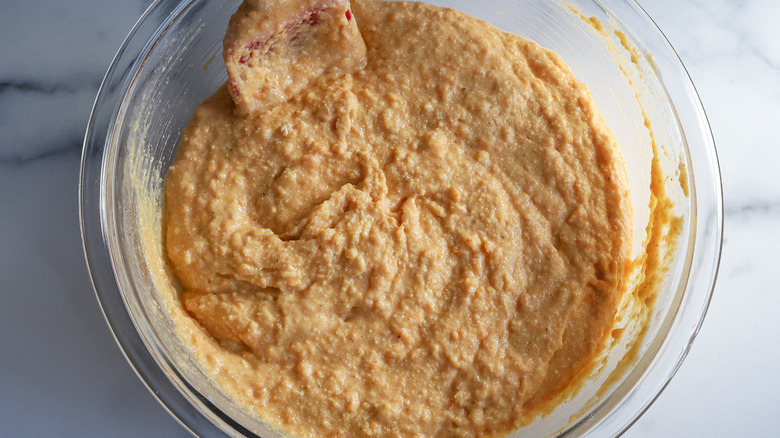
[171,61]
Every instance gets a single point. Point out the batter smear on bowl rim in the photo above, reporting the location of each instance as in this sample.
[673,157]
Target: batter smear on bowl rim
[418,228]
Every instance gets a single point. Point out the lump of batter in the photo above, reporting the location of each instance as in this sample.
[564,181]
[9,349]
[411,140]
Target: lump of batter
[434,245]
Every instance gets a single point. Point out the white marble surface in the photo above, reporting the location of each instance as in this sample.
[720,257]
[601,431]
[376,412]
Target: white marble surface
[61,373]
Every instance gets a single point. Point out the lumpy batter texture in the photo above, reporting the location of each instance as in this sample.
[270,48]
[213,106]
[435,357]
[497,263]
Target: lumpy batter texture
[434,245]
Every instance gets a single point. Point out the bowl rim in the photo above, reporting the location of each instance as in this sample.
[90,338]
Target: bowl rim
[706,243]
[92,219]
[705,246]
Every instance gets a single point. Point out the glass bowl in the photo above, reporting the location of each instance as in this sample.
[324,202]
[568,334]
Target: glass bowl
[171,61]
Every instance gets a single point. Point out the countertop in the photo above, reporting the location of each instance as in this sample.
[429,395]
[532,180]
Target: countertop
[61,374]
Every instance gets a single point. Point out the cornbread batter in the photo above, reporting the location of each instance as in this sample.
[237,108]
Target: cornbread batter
[434,245]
